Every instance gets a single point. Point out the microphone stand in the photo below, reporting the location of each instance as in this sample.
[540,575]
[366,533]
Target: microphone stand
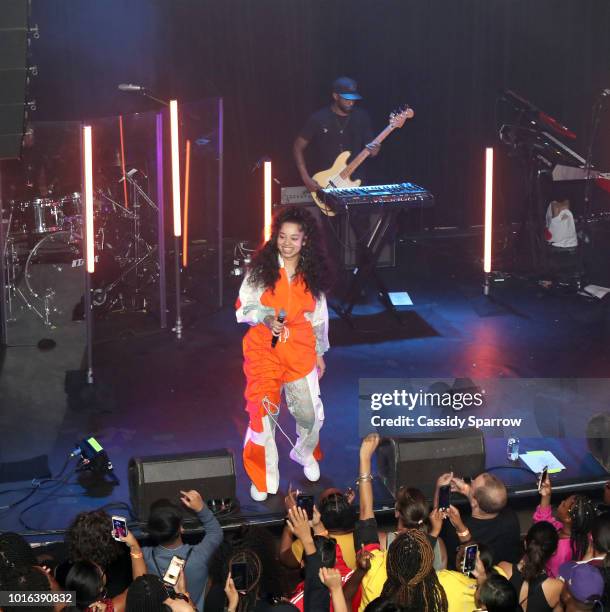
[145,93]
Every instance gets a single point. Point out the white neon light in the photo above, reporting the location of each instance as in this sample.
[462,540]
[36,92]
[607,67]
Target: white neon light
[489,181]
[88,155]
[173,118]
[267,199]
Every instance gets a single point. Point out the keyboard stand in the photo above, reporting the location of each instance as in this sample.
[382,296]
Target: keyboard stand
[368,256]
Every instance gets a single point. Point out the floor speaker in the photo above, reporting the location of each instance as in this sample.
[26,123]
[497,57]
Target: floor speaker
[417,462]
[212,473]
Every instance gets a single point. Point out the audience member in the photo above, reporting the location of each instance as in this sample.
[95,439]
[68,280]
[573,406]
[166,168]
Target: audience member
[412,512]
[88,580]
[583,587]
[404,574]
[165,528]
[460,587]
[148,593]
[89,538]
[575,516]
[490,522]
[338,517]
[535,590]
[497,594]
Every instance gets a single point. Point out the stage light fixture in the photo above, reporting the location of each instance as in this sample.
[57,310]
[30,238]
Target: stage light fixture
[187,178]
[267,199]
[88,174]
[173,118]
[489,163]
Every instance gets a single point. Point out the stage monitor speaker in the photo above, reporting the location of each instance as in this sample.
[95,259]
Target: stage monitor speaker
[212,473]
[418,462]
[13,75]
[598,439]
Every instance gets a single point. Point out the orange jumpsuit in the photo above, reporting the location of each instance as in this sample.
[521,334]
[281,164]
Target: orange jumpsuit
[290,366]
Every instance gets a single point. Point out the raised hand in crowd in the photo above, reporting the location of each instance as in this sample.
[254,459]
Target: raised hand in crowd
[232,594]
[192,499]
[331,579]
[298,523]
[545,491]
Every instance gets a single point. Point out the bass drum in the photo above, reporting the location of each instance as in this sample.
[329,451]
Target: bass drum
[55,277]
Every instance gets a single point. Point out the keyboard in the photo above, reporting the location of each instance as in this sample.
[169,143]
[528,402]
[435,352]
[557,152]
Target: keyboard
[404,195]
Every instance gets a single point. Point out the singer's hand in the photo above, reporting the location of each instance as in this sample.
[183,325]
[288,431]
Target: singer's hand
[321,366]
[274,325]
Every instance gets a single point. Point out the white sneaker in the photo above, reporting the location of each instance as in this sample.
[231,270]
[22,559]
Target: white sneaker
[311,468]
[257,495]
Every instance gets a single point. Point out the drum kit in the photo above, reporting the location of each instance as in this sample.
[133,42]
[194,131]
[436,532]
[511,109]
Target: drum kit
[43,255]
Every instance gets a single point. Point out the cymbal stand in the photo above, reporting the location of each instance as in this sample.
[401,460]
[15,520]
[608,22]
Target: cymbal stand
[138,194]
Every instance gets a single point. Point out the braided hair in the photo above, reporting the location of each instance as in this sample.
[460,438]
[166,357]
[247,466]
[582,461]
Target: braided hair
[313,267]
[582,514]
[540,545]
[412,583]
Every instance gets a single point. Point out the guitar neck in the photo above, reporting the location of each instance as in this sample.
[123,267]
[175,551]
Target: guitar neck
[355,163]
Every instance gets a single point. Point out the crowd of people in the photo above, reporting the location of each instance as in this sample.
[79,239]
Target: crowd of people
[337,555]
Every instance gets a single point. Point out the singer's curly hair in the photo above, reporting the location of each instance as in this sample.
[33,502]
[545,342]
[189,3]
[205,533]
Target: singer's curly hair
[313,267]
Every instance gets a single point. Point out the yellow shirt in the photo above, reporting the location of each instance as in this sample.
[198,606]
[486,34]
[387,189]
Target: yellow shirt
[345,542]
[460,589]
[374,579]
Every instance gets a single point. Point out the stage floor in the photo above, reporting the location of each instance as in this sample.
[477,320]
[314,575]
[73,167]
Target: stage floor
[157,395]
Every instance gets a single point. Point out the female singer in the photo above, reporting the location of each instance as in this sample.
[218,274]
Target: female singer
[282,299]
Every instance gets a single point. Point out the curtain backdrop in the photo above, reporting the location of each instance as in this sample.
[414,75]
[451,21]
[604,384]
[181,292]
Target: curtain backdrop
[273,62]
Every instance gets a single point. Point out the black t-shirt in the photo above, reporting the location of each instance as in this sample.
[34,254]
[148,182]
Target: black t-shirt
[329,134]
[502,534]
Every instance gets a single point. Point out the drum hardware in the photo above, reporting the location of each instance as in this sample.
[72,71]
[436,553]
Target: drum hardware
[62,254]
[100,295]
[138,194]
[13,291]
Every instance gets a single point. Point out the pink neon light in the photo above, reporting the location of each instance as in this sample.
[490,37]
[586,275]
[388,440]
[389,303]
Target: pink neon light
[173,118]
[489,181]
[267,199]
[88,165]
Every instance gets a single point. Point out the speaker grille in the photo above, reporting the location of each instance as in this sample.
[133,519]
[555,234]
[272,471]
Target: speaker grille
[176,470]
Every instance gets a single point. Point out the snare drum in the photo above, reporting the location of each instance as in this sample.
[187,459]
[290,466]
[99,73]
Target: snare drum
[48,216]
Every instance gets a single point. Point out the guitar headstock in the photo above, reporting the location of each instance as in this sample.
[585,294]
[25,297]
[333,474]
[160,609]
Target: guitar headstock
[398,117]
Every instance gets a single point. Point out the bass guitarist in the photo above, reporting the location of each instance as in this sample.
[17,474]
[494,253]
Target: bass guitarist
[334,129]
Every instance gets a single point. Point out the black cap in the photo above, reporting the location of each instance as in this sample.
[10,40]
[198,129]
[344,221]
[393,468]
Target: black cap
[347,88]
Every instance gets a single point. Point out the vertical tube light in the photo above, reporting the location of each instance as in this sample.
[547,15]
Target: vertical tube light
[489,176]
[267,198]
[88,166]
[173,117]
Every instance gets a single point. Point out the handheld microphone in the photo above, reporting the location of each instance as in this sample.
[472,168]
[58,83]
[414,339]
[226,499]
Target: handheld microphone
[281,318]
[131,87]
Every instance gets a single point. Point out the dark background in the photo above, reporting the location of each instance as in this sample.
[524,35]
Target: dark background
[273,62]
